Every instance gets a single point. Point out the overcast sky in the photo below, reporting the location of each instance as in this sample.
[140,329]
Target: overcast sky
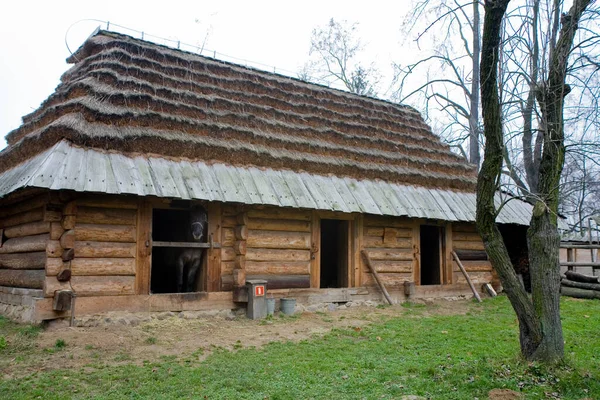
[275,33]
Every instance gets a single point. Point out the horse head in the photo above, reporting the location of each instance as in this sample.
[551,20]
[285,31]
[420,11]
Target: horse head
[199,223]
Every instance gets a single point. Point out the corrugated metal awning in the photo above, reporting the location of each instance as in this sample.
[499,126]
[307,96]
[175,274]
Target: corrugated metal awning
[89,170]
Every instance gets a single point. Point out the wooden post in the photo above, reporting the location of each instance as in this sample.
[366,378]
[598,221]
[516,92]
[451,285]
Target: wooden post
[357,245]
[213,263]
[448,254]
[144,248]
[416,245]
[570,259]
[376,275]
[315,255]
[464,271]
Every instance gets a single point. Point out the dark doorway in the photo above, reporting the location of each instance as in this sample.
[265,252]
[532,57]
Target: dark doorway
[168,225]
[431,250]
[334,253]
[515,239]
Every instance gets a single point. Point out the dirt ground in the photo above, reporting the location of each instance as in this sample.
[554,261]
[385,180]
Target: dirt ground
[116,342]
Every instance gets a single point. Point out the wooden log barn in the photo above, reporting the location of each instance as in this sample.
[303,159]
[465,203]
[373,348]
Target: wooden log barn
[301,183]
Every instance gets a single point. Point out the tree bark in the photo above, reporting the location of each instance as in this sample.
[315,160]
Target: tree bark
[489,176]
[543,238]
[474,157]
[539,319]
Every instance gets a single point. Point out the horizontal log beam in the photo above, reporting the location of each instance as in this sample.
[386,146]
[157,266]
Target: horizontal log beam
[93,266]
[392,266]
[28,229]
[31,279]
[279,239]
[104,249]
[471,255]
[388,279]
[579,264]
[468,245]
[106,216]
[22,291]
[379,231]
[277,255]
[579,246]
[389,222]
[464,227]
[475,266]
[141,303]
[278,268]
[105,233]
[389,255]
[92,285]
[399,243]
[23,218]
[24,205]
[278,213]
[25,244]
[466,236]
[107,201]
[279,225]
[283,281]
[186,245]
[36,260]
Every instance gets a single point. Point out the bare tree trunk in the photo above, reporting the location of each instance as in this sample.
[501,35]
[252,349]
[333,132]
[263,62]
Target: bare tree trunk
[542,237]
[539,320]
[474,157]
[529,155]
[489,176]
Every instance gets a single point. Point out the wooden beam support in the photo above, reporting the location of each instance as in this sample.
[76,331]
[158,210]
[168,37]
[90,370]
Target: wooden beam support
[462,269]
[376,276]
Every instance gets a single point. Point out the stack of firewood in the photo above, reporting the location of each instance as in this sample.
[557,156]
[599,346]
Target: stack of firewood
[579,285]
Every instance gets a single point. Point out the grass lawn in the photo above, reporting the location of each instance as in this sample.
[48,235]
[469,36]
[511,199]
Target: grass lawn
[416,352]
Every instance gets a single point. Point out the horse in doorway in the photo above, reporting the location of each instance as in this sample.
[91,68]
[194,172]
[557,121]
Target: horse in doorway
[190,260]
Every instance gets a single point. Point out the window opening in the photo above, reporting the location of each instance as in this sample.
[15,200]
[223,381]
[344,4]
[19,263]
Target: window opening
[179,241]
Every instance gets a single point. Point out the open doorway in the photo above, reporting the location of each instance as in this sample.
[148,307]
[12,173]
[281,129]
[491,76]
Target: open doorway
[334,253]
[431,254]
[177,266]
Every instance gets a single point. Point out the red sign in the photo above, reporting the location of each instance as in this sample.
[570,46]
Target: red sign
[259,291]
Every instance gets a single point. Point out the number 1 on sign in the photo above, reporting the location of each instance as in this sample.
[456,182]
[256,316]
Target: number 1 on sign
[259,291]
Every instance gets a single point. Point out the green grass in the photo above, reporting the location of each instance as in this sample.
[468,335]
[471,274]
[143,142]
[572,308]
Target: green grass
[438,356]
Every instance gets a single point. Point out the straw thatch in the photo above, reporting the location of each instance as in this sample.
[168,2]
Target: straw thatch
[133,96]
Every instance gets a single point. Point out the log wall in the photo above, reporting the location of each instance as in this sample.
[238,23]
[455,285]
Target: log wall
[390,245]
[97,248]
[26,230]
[267,243]
[469,247]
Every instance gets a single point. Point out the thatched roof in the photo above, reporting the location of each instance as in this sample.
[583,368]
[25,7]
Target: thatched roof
[132,96]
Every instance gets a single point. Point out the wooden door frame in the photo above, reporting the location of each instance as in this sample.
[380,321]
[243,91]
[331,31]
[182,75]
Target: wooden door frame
[210,273]
[354,226]
[445,250]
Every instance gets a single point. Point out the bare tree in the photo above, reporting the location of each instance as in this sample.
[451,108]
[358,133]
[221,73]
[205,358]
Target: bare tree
[448,81]
[335,50]
[452,83]
[539,316]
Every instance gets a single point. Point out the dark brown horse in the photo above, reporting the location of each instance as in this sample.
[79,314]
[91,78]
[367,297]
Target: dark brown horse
[190,260]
